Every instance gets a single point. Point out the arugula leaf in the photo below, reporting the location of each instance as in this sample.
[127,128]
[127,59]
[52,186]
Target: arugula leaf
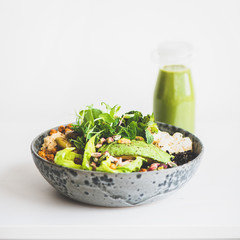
[116,122]
[137,116]
[127,116]
[107,117]
[105,124]
[81,116]
[132,129]
[107,106]
[89,117]
[123,132]
[96,112]
[114,110]
[79,143]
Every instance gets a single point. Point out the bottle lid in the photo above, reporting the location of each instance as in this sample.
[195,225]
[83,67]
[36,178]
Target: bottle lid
[175,49]
[173,52]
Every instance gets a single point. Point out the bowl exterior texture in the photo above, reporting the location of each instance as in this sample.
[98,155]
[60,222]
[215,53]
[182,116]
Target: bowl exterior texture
[122,189]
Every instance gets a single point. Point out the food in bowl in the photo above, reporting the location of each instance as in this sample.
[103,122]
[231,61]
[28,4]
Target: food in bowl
[119,189]
[105,142]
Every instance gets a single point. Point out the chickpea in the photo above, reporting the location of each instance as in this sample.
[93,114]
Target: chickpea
[52,132]
[69,126]
[67,130]
[139,138]
[50,157]
[42,154]
[61,129]
[54,150]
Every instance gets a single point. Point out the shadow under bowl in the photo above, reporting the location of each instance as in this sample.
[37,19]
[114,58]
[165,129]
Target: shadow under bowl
[118,189]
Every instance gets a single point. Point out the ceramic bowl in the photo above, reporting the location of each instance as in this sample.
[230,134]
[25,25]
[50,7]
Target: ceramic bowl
[121,189]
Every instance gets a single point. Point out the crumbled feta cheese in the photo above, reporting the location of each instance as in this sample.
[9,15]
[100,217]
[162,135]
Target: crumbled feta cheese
[173,144]
[177,136]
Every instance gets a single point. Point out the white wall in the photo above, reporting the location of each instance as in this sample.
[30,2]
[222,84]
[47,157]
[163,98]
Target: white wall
[58,56]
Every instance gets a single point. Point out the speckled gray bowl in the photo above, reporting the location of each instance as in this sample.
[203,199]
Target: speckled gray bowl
[121,189]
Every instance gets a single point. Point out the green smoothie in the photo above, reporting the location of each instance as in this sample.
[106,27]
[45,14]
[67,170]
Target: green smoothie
[174,101]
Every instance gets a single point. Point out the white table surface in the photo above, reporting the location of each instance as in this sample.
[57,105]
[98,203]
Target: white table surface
[206,207]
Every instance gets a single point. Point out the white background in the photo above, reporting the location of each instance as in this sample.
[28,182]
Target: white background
[56,57]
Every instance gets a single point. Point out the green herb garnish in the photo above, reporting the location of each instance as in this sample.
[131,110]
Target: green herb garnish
[93,121]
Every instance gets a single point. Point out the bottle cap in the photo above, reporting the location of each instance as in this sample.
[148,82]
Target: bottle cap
[173,52]
[175,49]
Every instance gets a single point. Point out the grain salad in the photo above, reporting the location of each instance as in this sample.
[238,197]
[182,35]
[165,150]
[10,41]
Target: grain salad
[102,140]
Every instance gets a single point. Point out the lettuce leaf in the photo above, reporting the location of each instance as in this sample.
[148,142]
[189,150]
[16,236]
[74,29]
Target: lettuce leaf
[105,167]
[66,158]
[149,136]
[89,148]
[133,166]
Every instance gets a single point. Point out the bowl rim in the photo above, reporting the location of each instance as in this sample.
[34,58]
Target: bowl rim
[198,157]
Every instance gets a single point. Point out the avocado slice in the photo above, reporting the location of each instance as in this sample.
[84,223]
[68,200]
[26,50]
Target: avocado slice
[137,148]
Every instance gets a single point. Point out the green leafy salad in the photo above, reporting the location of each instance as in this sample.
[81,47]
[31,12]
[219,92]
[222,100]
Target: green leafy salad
[103,141]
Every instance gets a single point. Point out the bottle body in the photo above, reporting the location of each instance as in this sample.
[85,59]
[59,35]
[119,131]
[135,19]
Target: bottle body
[174,101]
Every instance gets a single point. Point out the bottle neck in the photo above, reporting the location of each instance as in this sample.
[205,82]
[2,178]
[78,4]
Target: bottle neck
[175,68]
[176,62]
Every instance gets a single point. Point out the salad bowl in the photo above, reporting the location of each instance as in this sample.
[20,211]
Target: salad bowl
[118,189]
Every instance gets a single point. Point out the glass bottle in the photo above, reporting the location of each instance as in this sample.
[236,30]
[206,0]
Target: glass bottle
[174,101]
